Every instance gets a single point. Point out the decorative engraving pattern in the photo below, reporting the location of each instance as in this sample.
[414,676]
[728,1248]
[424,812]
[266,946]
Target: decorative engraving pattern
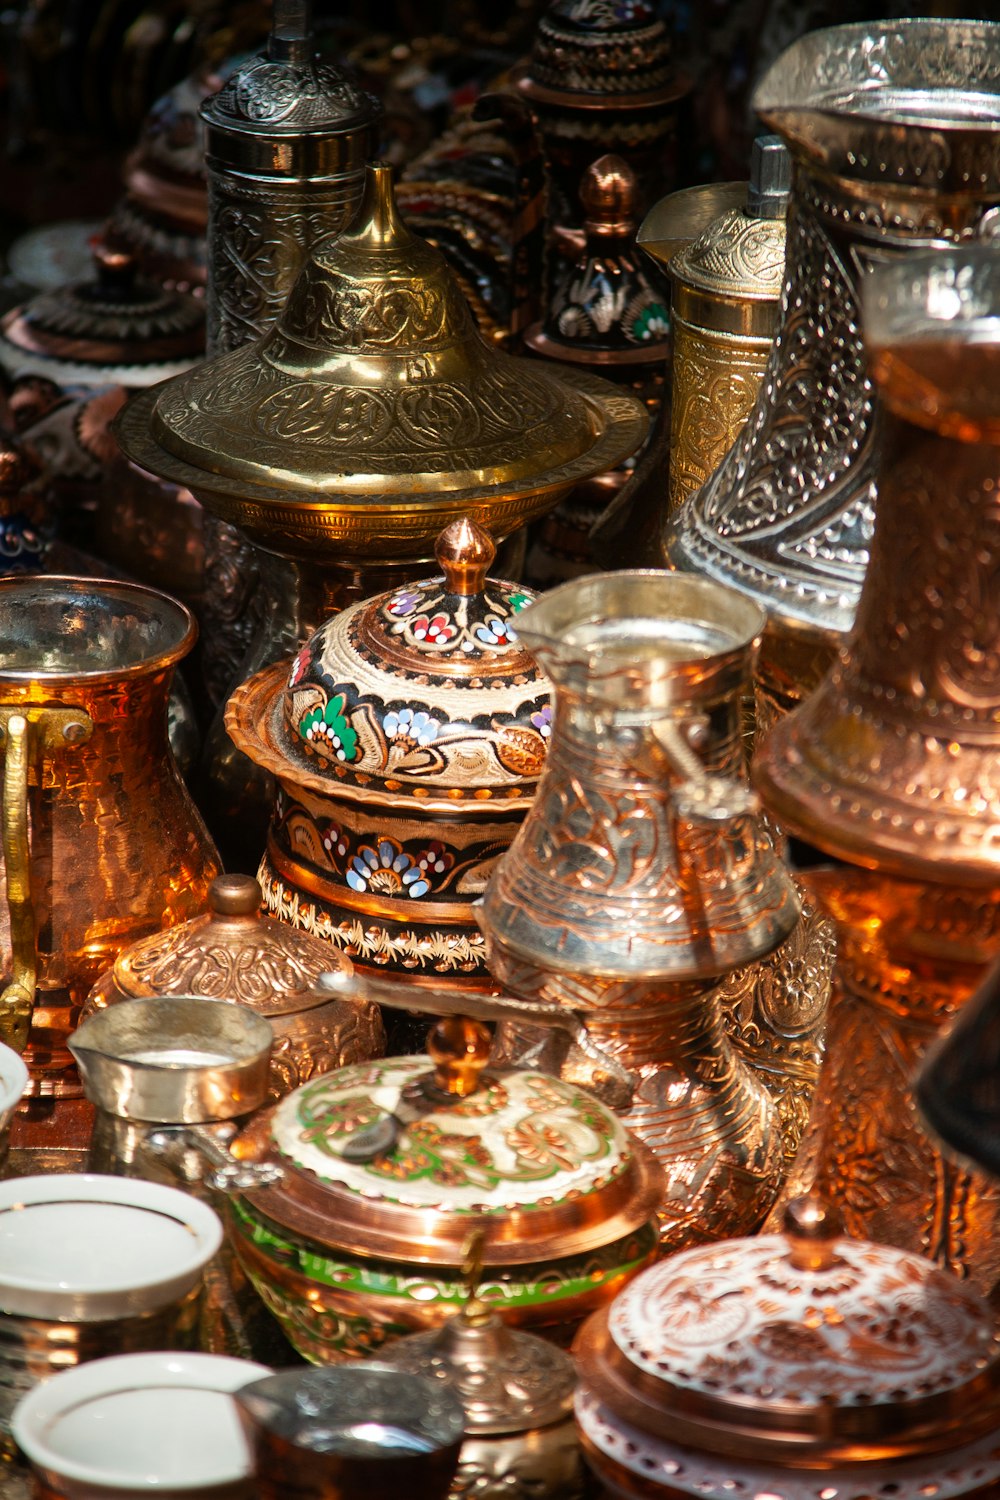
[716,381]
[290,98]
[737,254]
[633,1464]
[737,1321]
[259,238]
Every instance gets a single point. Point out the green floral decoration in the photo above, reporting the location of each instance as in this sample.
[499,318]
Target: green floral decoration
[329,727]
[652,322]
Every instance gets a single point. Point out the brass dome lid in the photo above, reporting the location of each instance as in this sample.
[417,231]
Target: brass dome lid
[804,1349]
[376,390]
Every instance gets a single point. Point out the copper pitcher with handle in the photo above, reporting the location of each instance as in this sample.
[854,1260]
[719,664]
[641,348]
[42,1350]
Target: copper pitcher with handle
[101,841]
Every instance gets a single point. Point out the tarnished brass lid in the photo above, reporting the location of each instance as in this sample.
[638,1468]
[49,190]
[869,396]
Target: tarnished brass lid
[805,1349]
[507,1381]
[231,953]
[116,329]
[407,1157]
[374,381]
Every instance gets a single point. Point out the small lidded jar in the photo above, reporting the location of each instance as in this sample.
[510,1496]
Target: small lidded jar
[796,1366]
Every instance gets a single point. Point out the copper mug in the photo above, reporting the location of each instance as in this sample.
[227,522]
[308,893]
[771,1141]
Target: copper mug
[101,841]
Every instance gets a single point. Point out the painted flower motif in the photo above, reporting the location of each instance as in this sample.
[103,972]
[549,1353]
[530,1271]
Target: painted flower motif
[403,603]
[435,859]
[495,632]
[299,666]
[404,724]
[328,727]
[435,629]
[335,841]
[542,720]
[386,871]
[518,602]
[544,1145]
[653,322]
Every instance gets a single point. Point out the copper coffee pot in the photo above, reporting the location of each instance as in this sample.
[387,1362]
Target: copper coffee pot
[892,130]
[891,765]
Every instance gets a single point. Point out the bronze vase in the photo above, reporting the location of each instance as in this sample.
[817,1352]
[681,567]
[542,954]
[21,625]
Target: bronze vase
[891,765]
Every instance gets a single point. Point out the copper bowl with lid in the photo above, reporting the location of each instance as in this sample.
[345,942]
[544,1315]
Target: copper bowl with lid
[799,1366]
[372,1179]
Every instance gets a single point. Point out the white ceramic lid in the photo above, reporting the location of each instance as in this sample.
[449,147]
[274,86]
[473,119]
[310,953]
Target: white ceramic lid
[78,1246]
[163,1423]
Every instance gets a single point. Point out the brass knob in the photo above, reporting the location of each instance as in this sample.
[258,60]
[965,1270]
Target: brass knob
[465,554]
[460,1049]
[235,896]
[608,195]
[812,1225]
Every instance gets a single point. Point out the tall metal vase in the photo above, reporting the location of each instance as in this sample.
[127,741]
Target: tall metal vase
[891,765]
[892,130]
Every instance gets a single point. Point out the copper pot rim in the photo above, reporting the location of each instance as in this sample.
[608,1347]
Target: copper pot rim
[162,660]
[254,718]
[741,1428]
[341,1220]
[679,86]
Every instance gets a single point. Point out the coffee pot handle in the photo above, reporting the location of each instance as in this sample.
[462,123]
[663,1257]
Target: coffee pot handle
[702,797]
[53,727]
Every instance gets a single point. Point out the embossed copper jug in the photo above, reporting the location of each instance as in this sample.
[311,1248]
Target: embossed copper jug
[891,766]
[642,874]
[101,842]
[892,127]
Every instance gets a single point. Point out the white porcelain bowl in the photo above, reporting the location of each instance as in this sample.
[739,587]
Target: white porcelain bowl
[78,1247]
[163,1423]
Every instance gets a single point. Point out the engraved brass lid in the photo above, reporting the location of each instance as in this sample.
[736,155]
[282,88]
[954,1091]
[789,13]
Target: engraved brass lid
[803,1349]
[620,55]
[407,1157]
[374,411]
[231,953]
[507,1381]
[115,329]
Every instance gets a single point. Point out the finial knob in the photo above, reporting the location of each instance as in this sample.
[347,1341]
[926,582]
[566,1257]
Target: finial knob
[235,896]
[812,1225]
[465,554]
[15,468]
[115,270]
[460,1050]
[608,194]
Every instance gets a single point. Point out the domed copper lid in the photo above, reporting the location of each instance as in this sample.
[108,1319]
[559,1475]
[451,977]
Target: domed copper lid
[421,693]
[116,329]
[407,1157]
[376,396]
[805,1349]
[231,953]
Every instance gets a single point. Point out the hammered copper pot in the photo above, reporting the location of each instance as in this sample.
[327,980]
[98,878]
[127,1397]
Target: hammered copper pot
[892,766]
[102,843]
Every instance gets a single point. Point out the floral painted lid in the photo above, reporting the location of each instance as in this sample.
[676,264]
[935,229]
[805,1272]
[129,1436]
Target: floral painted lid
[410,1155]
[427,687]
[806,1347]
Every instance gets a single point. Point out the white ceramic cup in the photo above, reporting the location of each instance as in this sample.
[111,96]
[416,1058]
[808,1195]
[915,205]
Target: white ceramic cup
[79,1247]
[13,1082]
[159,1423]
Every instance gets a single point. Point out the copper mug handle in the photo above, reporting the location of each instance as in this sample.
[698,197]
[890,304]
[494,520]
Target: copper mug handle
[58,727]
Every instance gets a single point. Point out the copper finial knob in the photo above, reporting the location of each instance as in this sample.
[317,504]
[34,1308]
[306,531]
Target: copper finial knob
[465,554]
[115,270]
[460,1050]
[608,194]
[235,896]
[812,1225]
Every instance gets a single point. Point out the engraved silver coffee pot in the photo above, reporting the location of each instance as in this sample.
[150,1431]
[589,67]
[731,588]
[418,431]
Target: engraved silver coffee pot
[894,130]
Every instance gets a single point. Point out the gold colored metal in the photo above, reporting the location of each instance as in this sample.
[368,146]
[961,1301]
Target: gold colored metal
[374,412]
[232,952]
[18,996]
[891,766]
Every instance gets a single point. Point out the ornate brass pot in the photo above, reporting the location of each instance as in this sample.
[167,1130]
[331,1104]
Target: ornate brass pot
[805,1365]
[642,875]
[406,739]
[891,765]
[102,843]
[892,130]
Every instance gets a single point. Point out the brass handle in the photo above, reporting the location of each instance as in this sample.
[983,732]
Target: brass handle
[19,996]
